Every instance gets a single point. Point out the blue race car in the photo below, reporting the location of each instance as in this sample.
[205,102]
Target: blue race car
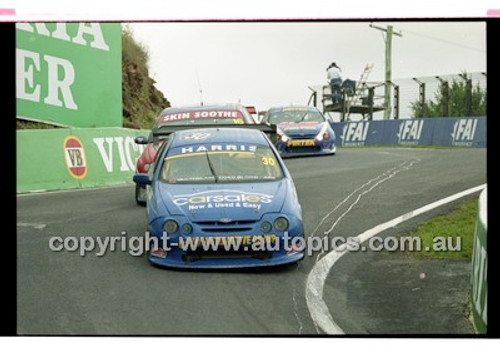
[221,197]
[302,130]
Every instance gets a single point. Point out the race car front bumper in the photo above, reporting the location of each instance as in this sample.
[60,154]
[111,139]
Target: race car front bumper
[176,258]
[215,250]
[305,147]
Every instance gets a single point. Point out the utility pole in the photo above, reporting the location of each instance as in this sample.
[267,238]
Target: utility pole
[388,53]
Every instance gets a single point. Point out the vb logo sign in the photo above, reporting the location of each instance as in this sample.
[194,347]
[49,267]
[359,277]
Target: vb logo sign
[74,155]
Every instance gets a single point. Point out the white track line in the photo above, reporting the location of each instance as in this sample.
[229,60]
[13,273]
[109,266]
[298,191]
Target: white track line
[296,313]
[65,191]
[385,176]
[358,198]
[39,226]
[352,193]
[316,279]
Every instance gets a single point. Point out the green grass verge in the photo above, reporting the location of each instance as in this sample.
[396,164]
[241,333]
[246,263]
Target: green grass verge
[456,227]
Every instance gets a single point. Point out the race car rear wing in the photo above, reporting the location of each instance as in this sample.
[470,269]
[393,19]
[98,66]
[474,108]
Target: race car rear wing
[162,131]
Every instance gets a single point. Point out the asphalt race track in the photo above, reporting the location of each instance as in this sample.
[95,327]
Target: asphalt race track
[118,294]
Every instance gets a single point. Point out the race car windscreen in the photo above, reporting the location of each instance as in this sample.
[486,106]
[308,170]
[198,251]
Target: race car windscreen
[255,164]
[295,116]
[205,117]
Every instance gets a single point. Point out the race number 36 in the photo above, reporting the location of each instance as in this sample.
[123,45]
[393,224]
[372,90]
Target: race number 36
[74,155]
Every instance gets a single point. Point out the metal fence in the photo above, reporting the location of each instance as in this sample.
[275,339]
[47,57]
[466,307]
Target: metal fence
[369,103]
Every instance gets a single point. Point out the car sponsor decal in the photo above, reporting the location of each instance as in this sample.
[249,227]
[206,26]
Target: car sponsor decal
[222,199]
[301,143]
[197,136]
[74,156]
[292,127]
[213,148]
[206,114]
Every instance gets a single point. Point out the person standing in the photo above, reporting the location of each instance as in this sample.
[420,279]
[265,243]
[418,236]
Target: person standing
[335,81]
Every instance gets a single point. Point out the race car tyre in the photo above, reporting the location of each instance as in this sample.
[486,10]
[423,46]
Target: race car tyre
[140,194]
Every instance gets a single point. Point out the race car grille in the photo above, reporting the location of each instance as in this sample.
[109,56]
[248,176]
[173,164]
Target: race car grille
[226,230]
[233,226]
[191,256]
[302,149]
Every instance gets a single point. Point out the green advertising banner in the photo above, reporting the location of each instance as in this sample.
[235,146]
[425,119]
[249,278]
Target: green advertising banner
[69,158]
[69,73]
[479,293]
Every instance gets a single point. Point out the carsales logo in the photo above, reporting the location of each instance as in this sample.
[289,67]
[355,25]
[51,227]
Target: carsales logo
[74,155]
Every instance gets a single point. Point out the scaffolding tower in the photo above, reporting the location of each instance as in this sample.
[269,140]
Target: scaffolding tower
[359,98]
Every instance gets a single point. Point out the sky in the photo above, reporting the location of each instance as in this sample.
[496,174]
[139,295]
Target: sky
[267,64]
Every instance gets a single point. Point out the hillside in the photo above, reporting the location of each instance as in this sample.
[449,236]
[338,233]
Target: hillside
[141,100]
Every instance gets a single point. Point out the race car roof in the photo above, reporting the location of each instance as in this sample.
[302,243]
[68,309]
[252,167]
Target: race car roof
[218,135]
[226,106]
[293,107]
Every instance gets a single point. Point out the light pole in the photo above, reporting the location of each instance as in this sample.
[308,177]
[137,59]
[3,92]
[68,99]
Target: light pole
[421,97]
[468,94]
[445,92]
[389,30]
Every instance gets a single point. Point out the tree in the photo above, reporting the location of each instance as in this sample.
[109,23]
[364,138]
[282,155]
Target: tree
[452,100]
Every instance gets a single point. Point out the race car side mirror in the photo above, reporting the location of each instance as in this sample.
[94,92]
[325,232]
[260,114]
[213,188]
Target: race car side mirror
[142,179]
[141,140]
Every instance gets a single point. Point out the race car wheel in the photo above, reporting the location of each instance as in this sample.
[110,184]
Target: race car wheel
[140,194]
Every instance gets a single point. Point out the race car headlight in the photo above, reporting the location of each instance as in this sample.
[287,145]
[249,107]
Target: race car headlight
[281,135]
[284,138]
[281,224]
[186,228]
[323,134]
[170,226]
[266,227]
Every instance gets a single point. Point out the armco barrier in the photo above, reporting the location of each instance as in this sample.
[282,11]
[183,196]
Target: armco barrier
[479,295]
[468,132]
[56,159]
